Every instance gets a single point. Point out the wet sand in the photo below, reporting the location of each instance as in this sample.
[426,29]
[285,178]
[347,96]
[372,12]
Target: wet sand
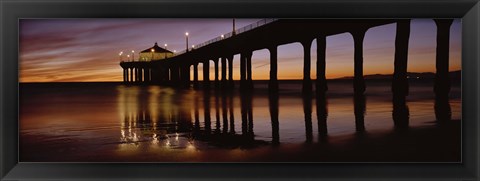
[117,123]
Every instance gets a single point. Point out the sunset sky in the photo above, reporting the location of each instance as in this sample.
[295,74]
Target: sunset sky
[86,50]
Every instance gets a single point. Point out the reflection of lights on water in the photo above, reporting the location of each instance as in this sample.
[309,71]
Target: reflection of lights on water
[123,134]
[190,146]
[135,138]
[154,139]
[140,123]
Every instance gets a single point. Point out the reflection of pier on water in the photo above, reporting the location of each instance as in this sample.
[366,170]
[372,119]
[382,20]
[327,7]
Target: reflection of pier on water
[146,119]
[165,119]
[181,119]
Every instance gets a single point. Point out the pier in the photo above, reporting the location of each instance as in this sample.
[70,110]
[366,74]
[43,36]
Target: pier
[271,33]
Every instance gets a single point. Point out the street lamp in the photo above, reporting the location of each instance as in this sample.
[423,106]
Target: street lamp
[222,36]
[128,57]
[165,51]
[133,55]
[186,37]
[233,31]
[120,55]
[153,51]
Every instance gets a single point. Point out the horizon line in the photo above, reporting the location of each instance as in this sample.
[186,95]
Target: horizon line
[339,78]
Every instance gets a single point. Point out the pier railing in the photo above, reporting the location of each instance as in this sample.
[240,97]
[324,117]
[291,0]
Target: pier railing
[230,34]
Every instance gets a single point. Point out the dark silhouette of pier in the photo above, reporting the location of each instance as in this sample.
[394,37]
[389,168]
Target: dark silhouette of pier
[271,33]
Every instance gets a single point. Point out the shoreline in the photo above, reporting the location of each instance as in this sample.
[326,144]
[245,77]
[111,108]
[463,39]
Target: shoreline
[432,143]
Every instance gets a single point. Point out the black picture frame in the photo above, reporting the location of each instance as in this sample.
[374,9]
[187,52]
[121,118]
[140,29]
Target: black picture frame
[11,11]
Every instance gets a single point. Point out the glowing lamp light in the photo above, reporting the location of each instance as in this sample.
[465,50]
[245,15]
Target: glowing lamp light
[120,56]
[152,50]
[222,36]
[186,34]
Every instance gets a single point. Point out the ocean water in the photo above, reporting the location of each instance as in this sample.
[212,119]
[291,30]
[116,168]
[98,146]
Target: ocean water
[111,122]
